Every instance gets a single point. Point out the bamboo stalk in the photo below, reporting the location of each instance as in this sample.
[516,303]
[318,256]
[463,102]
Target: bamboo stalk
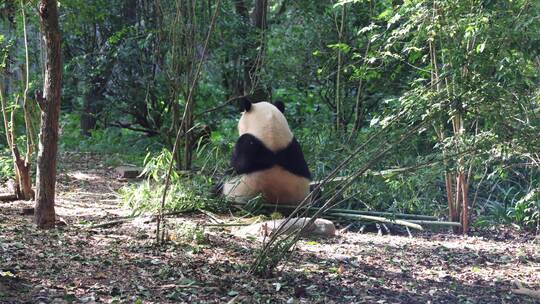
[349,211]
[409,224]
[420,222]
[436,223]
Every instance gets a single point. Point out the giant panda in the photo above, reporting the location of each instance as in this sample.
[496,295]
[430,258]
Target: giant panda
[267,158]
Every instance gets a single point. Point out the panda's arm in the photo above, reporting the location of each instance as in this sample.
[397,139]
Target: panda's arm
[251,155]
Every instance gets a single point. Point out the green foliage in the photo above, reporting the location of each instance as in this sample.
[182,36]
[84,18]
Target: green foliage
[6,165]
[189,233]
[121,146]
[184,196]
[187,192]
[526,210]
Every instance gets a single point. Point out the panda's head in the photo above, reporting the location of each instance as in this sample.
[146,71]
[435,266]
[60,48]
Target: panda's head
[266,122]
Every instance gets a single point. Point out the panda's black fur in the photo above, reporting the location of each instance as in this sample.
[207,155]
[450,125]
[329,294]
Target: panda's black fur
[251,155]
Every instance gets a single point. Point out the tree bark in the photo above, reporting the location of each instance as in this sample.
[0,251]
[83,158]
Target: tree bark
[92,106]
[49,103]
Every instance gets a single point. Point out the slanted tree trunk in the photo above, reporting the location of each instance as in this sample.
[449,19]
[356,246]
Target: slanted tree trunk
[23,182]
[49,102]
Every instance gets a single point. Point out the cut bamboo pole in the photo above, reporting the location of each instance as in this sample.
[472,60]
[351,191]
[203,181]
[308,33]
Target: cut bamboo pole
[379,219]
[420,222]
[349,211]
[436,223]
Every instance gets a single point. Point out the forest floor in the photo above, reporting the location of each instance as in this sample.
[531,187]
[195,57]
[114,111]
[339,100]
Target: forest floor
[119,264]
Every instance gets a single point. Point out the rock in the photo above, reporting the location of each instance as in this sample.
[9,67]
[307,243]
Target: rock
[128,172]
[321,227]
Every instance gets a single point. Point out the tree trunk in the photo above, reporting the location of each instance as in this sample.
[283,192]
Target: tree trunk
[88,117]
[49,102]
[92,107]
[340,125]
[23,181]
[252,64]
[188,144]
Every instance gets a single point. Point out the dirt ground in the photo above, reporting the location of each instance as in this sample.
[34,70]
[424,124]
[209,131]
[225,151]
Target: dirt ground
[119,264]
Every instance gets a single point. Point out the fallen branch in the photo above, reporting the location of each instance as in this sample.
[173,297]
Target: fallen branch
[8,197]
[110,223]
[525,291]
[379,219]
[125,219]
[130,126]
[212,216]
[171,286]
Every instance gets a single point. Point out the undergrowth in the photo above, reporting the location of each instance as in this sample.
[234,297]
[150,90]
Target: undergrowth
[119,146]
[187,192]
[6,166]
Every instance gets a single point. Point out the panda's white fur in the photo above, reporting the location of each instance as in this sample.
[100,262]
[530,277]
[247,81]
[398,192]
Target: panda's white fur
[277,185]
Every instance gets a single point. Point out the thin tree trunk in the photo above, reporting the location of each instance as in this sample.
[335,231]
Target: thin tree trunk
[23,182]
[92,104]
[465,201]
[450,196]
[360,105]
[457,197]
[188,137]
[49,102]
[252,65]
[338,99]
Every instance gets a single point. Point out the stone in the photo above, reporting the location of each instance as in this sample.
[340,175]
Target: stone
[128,172]
[321,227]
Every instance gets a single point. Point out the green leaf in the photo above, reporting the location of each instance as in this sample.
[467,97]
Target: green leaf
[480,48]
[340,46]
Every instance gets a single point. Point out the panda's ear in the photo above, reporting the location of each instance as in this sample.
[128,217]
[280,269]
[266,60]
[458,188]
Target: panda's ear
[280,105]
[245,104]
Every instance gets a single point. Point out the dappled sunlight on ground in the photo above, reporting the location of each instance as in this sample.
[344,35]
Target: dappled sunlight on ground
[87,190]
[120,263]
[85,176]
